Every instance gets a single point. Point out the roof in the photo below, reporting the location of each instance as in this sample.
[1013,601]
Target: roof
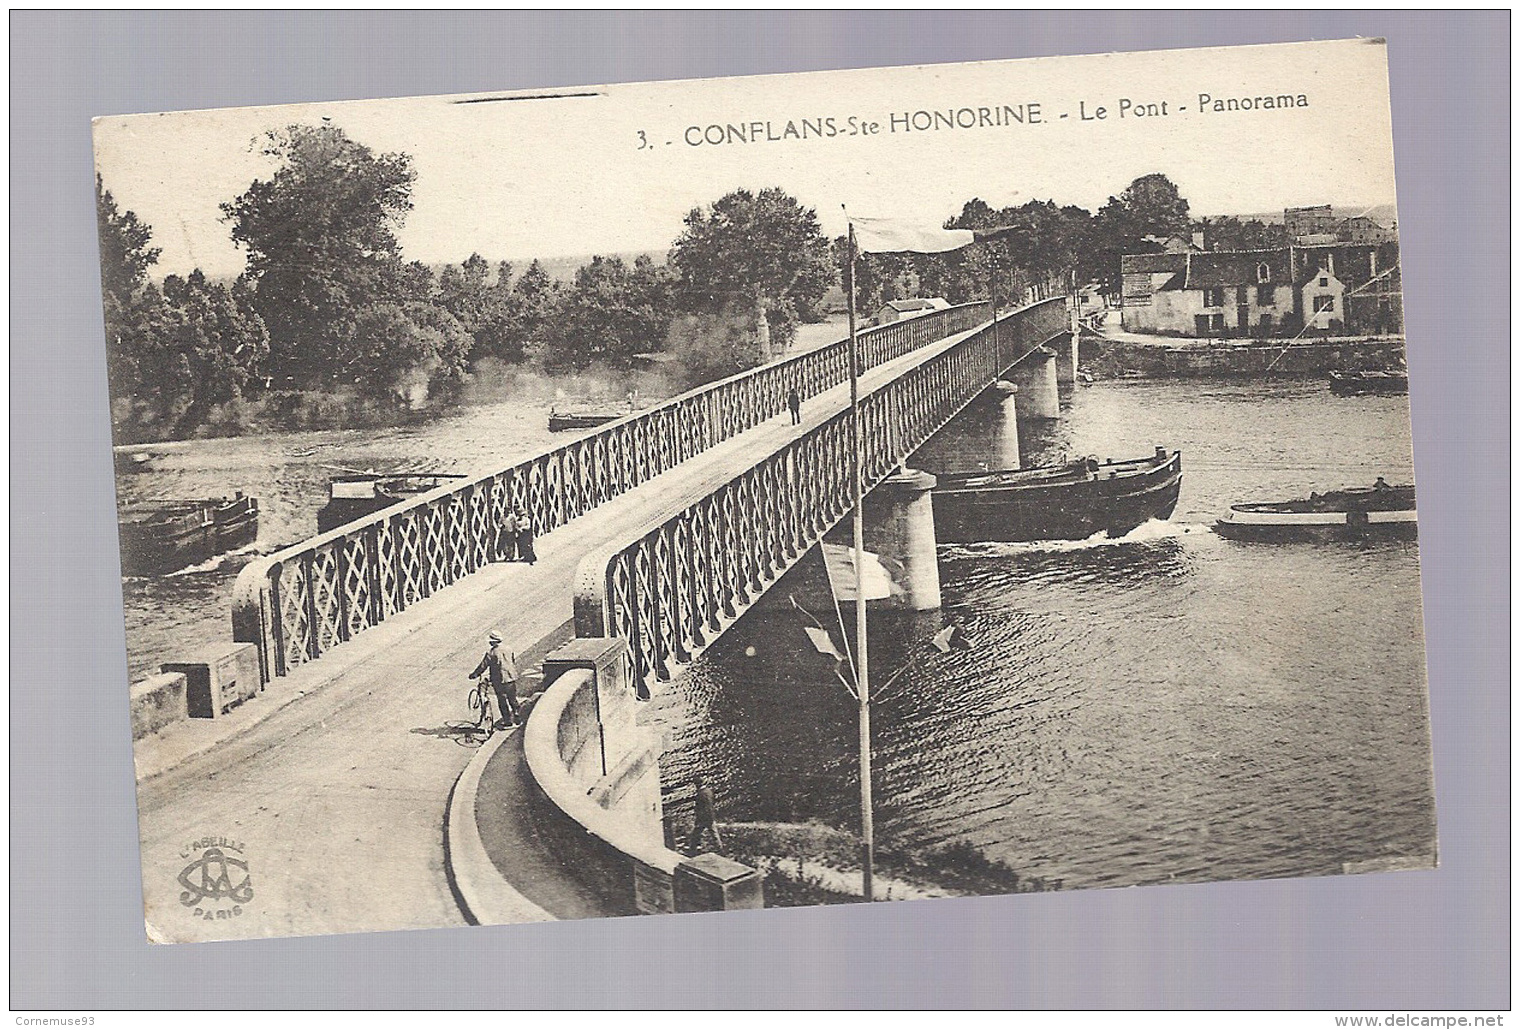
[1132,263]
[912,304]
[1233,268]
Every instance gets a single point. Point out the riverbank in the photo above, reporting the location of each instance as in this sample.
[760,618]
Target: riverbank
[1109,357]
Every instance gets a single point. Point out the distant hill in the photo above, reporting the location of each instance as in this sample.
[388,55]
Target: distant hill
[562,268]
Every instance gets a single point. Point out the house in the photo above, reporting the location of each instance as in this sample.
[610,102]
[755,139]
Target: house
[893,310]
[1308,221]
[1332,288]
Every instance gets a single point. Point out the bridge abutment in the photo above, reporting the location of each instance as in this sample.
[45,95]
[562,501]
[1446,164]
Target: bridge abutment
[902,534]
[1039,391]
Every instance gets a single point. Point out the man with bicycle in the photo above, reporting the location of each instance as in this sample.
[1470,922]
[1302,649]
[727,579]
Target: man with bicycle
[501,669]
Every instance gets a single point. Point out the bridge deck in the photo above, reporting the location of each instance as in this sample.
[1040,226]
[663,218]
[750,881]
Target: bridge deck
[336,779]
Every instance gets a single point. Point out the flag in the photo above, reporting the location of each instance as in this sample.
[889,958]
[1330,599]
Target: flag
[950,639]
[840,564]
[824,643]
[890,236]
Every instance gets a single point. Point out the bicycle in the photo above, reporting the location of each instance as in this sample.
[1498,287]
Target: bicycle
[480,707]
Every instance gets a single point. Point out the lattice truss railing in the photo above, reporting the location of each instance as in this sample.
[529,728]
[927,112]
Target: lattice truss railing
[675,589]
[301,602]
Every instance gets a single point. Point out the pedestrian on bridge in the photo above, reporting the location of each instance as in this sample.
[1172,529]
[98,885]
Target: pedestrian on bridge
[506,540]
[794,402]
[525,538]
[500,667]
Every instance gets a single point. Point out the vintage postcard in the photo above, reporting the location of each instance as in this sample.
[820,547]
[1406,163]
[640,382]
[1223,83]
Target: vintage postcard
[885,484]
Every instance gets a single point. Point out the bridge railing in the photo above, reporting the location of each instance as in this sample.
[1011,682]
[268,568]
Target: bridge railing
[675,588]
[301,602]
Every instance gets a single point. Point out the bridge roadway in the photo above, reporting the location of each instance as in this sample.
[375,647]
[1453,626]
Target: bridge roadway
[334,782]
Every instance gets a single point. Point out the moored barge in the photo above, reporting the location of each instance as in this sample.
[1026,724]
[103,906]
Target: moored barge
[1069,501]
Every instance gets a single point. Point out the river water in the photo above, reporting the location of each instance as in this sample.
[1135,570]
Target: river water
[1170,706]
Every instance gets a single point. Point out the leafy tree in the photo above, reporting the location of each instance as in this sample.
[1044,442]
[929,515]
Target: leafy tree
[610,313]
[321,240]
[753,250]
[406,353]
[125,258]
[1230,233]
[202,344]
[125,255]
[535,303]
[1149,207]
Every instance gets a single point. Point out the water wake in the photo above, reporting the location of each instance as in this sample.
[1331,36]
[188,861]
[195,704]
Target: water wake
[1147,532]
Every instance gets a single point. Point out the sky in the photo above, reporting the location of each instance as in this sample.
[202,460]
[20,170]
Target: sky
[614,169]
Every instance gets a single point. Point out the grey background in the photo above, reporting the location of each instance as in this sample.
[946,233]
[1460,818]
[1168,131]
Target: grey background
[1376,942]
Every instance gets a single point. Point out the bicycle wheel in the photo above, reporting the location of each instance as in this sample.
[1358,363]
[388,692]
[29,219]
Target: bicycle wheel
[483,703]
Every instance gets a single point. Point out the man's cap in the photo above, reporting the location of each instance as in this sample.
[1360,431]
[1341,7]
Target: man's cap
[495,637]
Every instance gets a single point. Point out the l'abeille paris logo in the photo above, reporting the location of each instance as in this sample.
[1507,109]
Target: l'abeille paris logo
[216,882]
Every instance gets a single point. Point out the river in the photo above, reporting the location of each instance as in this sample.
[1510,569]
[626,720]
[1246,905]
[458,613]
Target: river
[1172,706]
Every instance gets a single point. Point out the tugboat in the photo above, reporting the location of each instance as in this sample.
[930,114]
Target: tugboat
[1370,512]
[166,536]
[1351,384]
[1069,501]
[354,495]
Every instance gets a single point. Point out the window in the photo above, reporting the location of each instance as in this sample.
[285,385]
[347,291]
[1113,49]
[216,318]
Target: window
[1324,302]
[1263,273]
[1216,323]
[1324,280]
[1213,297]
[1266,295]
[1242,295]
[1266,321]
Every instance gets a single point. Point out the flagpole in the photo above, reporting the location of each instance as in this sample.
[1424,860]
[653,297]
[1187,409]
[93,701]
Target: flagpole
[862,674]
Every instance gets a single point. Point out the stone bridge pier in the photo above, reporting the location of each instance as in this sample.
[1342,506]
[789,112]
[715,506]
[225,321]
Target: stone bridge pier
[1039,389]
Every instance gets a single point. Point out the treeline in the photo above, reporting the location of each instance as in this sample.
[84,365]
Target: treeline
[1032,250]
[328,307]
[327,303]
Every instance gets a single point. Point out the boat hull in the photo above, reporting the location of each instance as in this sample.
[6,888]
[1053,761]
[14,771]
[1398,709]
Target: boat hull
[187,533]
[1381,512]
[565,423]
[1352,384]
[1114,499]
[1324,526]
[354,497]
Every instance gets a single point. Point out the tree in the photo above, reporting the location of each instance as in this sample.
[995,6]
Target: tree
[610,314]
[535,300]
[750,251]
[1230,233]
[321,240]
[1149,208]
[125,258]
[407,353]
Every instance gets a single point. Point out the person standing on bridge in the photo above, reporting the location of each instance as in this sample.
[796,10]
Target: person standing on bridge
[794,402]
[506,542]
[501,668]
[525,538]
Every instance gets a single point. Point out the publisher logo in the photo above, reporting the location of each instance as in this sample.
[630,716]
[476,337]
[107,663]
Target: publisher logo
[216,882]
